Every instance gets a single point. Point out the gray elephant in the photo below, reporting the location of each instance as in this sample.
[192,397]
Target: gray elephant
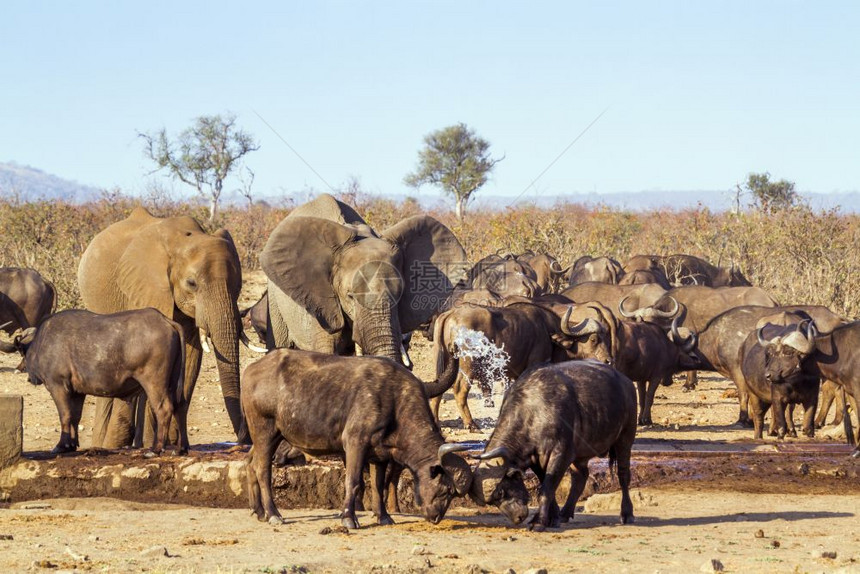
[335,283]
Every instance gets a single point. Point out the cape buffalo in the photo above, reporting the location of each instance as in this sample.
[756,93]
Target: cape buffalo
[641,298]
[547,269]
[682,269]
[26,299]
[530,332]
[367,409]
[597,269]
[791,340]
[555,416]
[831,356]
[77,353]
[720,341]
[504,276]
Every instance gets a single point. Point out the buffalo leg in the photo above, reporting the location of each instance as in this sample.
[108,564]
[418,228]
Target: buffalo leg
[828,397]
[77,407]
[548,514]
[758,408]
[789,420]
[810,404]
[779,403]
[378,472]
[354,483]
[461,396]
[692,381]
[623,465]
[643,399]
[392,480]
[259,468]
[63,399]
[578,480]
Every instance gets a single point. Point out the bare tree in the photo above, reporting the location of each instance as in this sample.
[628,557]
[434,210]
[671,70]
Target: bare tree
[203,155]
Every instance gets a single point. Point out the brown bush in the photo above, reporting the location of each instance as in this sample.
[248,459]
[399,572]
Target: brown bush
[798,255]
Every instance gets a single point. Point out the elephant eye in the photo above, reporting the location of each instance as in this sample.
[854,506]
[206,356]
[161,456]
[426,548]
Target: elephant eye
[192,284]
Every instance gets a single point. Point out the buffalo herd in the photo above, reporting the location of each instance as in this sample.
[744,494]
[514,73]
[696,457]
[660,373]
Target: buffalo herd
[576,340]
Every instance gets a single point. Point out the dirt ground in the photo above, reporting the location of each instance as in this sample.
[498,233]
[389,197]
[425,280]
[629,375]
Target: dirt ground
[773,525]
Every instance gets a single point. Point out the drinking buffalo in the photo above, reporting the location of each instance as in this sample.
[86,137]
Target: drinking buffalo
[77,353]
[367,409]
[555,416]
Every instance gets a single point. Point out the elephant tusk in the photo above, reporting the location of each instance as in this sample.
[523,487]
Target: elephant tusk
[358,351]
[204,341]
[247,342]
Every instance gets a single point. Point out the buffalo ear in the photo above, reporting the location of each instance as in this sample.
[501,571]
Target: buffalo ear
[433,263]
[562,341]
[143,268]
[436,470]
[298,258]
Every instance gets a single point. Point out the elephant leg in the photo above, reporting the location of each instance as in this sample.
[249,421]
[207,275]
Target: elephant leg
[113,426]
[277,330]
[461,396]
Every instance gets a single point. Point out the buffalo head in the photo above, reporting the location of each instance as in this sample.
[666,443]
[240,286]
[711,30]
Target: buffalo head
[785,352]
[498,483]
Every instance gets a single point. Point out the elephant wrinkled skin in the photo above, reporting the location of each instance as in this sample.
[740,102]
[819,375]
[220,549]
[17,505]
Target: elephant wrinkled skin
[190,276]
[335,283]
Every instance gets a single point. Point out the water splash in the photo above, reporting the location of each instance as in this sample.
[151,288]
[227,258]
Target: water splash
[488,361]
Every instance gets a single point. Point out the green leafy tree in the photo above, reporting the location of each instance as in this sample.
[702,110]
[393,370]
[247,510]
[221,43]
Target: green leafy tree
[770,196]
[203,155]
[456,160]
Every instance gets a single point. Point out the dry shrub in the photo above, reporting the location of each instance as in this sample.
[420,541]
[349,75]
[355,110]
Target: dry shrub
[798,255]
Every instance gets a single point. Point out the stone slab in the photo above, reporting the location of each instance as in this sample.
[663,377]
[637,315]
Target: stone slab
[11,429]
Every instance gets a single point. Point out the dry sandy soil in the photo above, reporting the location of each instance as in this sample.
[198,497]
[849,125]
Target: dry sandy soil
[777,525]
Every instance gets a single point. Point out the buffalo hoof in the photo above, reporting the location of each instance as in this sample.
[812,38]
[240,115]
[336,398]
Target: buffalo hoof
[63,448]
[385,520]
[489,403]
[627,519]
[793,434]
[275,520]
[349,522]
[856,453]
[472,427]
[537,527]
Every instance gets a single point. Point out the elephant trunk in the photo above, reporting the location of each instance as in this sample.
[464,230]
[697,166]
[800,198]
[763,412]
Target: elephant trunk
[378,333]
[222,323]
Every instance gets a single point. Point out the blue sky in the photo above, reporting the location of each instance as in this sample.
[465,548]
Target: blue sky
[698,93]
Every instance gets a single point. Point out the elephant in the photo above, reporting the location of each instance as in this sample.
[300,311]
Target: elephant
[193,278]
[335,283]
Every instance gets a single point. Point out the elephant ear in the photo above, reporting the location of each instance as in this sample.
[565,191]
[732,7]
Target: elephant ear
[327,207]
[143,274]
[298,258]
[433,262]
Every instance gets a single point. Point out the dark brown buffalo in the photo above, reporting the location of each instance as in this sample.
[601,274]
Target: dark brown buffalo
[530,332]
[588,269]
[720,341]
[650,356]
[367,409]
[504,276]
[555,416]
[641,298]
[548,270]
[832,356]
[791,339]
[26,299]
[78,353]
[642,277]
[683,269]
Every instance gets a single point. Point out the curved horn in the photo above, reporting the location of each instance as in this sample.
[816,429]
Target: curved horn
[690,344]
[667,314]
[760,337]
[247,342]
[450,447]
[6,346]
[811,330]
[498,452]
[626,314]
[585,327]
[565,319]
[6,324]
[687,344]
[674,328]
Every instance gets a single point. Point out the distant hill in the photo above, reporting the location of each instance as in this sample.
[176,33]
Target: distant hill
[31,184]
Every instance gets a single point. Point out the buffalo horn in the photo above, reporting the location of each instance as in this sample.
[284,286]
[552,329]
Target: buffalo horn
[811,330]
[667,314]
[624,313]
[498,452]
[565,319]
[6,324]
[450,447]
[760,337]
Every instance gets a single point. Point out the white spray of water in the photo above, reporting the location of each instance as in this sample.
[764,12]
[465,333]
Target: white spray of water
[488,361]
